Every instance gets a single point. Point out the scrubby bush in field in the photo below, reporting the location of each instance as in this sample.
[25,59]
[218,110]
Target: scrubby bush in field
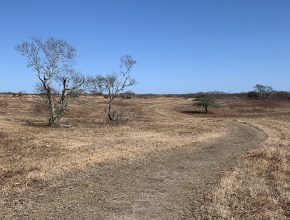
[204,101]
[127,95]
[253,94]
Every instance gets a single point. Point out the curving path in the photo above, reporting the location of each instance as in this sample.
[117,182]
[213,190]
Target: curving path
[168,185]
[165,186]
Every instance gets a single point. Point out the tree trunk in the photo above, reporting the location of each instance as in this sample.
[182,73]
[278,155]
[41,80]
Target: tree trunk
[53,122]
[57,113]
[110,110]
[50,105]
[54,115]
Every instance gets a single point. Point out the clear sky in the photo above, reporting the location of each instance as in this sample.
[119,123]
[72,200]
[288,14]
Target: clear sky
[181,46]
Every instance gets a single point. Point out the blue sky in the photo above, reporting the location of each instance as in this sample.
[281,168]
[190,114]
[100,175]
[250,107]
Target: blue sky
[181,46]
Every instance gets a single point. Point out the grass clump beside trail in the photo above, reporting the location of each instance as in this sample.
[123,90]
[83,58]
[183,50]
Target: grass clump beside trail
[257,188]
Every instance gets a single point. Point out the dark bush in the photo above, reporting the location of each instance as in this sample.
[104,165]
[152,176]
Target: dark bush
[281,95]
[253,94]
[127,95]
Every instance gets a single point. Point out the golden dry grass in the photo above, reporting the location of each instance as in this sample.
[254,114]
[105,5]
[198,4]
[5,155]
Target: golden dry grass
[256,188]
[32,152]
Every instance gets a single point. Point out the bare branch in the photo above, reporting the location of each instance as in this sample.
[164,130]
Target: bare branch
[114,83]
[52,60]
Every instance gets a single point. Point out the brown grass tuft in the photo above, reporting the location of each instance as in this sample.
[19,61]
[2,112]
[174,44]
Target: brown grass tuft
[258,187]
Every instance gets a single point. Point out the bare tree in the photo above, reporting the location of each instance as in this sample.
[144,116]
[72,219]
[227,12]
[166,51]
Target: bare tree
[52,60]
[263,91]
[112,84]
[204,101]
[93,85]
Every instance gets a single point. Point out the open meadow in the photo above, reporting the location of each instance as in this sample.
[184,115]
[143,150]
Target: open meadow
[160,161]
[144,110]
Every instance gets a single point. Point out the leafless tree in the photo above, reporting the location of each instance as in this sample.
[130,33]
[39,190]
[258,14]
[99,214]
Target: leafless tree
[263,91]
[204,101]
[112,84]
[52,60]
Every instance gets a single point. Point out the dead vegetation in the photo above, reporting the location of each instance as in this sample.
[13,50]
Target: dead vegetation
[35,157]
[241,107]
[30,150]
[258,187]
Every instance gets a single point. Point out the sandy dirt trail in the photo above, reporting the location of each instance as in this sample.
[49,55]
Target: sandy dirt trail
[165,186]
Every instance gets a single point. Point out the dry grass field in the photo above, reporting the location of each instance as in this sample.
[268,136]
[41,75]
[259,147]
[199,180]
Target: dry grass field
[160,162]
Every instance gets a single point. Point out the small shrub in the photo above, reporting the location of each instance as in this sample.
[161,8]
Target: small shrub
[20,93]
[253,94]
[127,95]
[204,101]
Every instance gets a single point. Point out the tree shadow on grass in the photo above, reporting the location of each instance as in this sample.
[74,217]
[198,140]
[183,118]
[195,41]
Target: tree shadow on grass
[190,112]
[38,124]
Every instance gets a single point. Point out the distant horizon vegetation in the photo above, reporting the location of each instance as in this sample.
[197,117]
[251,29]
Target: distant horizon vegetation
[213,92]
